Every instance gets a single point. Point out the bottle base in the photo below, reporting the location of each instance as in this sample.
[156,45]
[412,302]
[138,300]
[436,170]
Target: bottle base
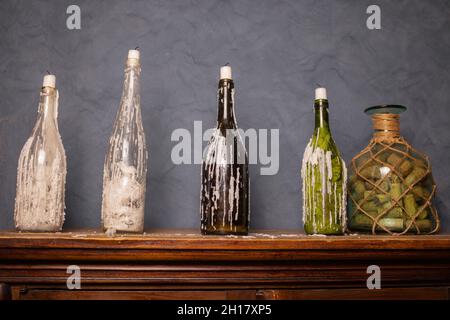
[39,230]
[326,232]
[112,231]
[224,233]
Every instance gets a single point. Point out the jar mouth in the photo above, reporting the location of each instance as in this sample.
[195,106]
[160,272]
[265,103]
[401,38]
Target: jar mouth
[388,109]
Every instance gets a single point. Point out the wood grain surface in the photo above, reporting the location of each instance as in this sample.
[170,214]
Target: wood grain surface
[181,264]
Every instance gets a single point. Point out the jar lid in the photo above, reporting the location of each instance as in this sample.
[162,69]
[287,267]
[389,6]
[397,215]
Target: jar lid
[387,108]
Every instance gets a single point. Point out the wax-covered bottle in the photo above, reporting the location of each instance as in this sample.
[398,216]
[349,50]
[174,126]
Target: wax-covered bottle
[125,169]
[225,181]
[41,174]
[324,177]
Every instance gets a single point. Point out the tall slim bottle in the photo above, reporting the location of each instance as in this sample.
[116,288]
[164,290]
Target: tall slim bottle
[125,170]
[324,177]
[225,185]
[41,173]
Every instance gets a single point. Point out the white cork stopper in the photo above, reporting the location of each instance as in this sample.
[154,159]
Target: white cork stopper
[49,81]
[225,73]
[134,54]
[321,93]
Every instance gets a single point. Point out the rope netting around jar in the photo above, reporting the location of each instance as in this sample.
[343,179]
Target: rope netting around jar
[391,188]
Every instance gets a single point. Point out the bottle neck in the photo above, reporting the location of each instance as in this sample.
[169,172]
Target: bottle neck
[321,114]
[225,100]
[131,88]
[48,105]
[386,126]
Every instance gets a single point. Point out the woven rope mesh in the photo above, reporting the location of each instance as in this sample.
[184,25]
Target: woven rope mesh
[391,186]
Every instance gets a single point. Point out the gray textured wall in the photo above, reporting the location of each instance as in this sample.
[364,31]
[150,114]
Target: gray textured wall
[279,50]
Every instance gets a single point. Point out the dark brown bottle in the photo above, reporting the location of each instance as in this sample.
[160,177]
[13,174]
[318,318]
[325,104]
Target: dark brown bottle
[225,181]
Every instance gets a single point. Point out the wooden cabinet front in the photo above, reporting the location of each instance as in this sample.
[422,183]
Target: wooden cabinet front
[182,265]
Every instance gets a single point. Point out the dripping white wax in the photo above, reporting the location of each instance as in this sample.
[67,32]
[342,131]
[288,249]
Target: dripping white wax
[217,160]
[123,207]
[316,157]
[41,173]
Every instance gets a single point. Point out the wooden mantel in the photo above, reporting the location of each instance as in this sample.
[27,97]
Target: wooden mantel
[181,264]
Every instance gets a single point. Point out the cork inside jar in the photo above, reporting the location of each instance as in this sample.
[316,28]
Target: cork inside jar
[390,183]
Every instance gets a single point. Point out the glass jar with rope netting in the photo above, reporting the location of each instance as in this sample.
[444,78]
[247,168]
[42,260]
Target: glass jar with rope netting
[391,186]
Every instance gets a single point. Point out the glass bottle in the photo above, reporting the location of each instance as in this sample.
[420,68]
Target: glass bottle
[324,177]
[225,184]
[125,169]
[41,174]
[391,187]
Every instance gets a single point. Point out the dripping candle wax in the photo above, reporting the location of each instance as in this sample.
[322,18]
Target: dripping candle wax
[224,195]
[125,169]
[324,176]
[41,173]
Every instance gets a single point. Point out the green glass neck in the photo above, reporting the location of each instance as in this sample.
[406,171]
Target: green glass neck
[321,114]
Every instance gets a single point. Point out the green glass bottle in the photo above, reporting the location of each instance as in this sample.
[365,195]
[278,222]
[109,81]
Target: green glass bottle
[324,177]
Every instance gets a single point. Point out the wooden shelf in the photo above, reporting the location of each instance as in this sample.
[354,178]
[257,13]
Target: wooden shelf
[183,264]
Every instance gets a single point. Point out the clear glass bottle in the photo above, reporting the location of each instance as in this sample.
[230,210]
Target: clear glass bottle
[41,174]
[324,177]
[125,169]
[225,183]
[391,187]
